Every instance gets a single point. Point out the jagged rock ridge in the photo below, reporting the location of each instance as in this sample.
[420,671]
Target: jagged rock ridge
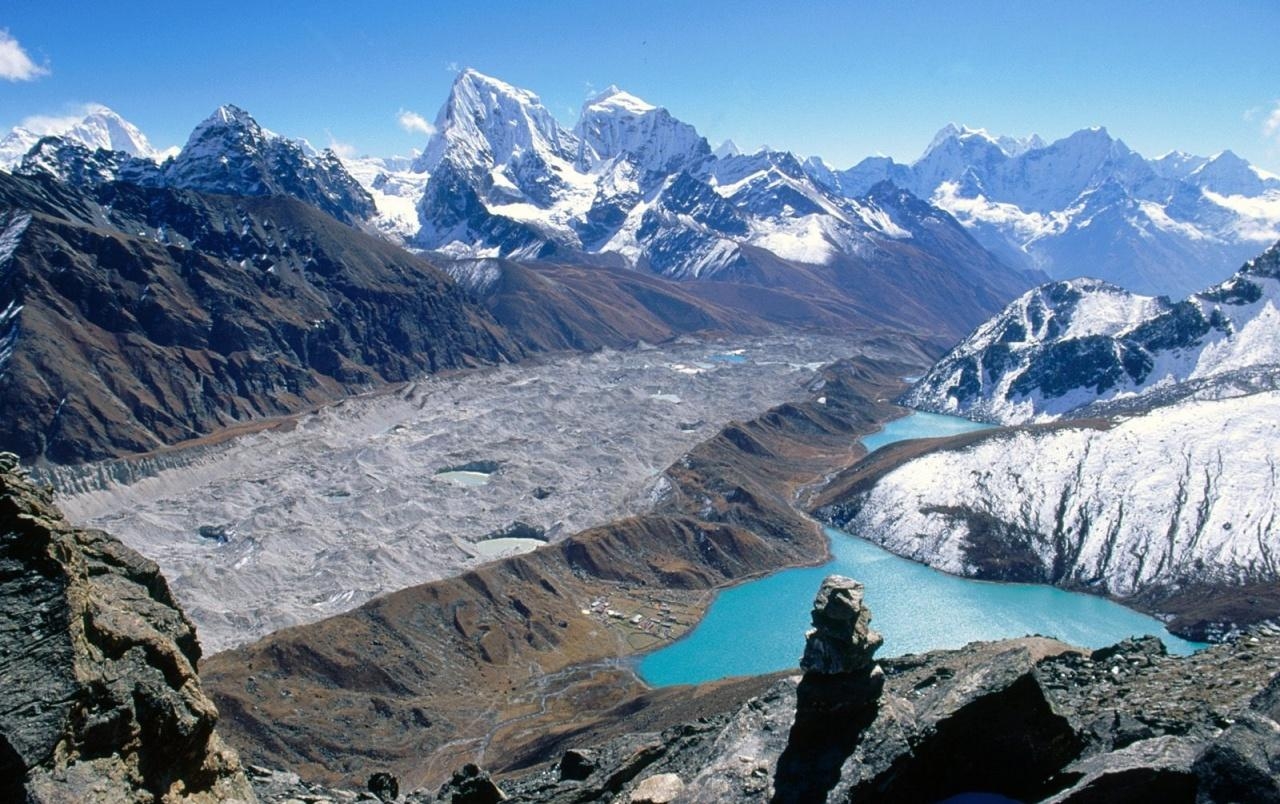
[102,699]
[1073,348]
[631,185]
[228,154]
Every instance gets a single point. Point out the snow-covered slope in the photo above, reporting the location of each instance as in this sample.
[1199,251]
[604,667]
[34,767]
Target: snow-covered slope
[1068,347]
[631,182]
[1087,204]
[395,189]
[617,124]
[99,128]
[1185,495]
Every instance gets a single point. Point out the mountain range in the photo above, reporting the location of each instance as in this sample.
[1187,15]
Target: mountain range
[1079,347]
[147,299]
[1087,205]
[632,185]
[99,128]
[265,266]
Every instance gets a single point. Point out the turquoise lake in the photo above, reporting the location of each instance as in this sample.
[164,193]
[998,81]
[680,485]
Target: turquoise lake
[759,627]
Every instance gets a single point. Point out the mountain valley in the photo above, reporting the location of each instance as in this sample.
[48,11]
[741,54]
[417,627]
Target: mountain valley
[402,464]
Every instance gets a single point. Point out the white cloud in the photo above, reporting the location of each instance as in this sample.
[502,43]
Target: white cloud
[343,149]
[53,124]
[1271,126]
[15,64]
[414,123]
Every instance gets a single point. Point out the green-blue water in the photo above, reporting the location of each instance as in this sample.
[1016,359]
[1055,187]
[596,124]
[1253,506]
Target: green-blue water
[759,627]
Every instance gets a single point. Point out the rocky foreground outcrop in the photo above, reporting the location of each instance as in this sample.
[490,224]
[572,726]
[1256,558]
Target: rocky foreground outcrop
[101,701]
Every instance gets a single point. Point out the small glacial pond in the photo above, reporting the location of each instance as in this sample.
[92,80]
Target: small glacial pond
[464,478]
[759,627]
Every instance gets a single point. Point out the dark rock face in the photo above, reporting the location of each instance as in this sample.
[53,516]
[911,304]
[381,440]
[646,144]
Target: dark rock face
[80,166]
[99,669]
[993,731]
[137,317]
[227,154]
[471,785]
[577,764]
[385,786]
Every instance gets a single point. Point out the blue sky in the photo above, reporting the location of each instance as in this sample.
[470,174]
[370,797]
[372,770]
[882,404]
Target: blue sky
[843,80]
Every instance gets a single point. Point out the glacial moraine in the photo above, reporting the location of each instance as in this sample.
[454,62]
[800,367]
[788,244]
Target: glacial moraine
[382,492]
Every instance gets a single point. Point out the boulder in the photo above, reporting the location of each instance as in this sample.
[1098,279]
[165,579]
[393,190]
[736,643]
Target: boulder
[1243,763]
[471,785]
[577,764]
[385,786]
[661,788]
[1157,769]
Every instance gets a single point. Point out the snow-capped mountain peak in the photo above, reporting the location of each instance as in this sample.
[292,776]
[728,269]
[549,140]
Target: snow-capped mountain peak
[614,98]
[228,126]
[103,128]
[487,122]
[1070,347]
[618,124]
[1228,174]
[1009,146]
[99,128]
[726,149]
[230,153]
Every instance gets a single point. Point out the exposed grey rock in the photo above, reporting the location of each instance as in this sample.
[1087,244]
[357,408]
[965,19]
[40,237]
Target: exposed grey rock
[1030,718]
[660,788]
[101,697]
[1158,769]
[1243,764]
[837,698]
[979,720]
